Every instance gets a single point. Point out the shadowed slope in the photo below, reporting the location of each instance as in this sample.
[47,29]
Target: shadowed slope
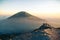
[20,22]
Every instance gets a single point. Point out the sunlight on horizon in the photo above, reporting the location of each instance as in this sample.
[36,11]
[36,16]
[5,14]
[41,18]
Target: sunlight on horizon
[38,14]
[40,8]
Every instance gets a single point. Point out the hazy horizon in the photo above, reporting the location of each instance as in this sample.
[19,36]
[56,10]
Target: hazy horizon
[40,8]
[45,9]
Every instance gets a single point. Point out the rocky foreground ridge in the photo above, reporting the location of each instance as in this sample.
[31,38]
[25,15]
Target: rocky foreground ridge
[45,32]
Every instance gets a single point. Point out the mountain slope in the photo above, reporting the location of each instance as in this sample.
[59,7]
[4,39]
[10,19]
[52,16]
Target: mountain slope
[20,22]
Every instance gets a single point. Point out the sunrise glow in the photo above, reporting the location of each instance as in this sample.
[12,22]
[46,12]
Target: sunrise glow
[40,8]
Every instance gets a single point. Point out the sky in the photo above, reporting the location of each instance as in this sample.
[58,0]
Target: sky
[40,8]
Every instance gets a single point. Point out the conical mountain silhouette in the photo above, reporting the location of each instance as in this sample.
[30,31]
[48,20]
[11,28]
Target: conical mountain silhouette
[20,22]
[21,14]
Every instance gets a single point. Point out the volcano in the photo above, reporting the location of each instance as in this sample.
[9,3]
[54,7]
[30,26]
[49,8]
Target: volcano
[21,14]
[20,22]
[24,26]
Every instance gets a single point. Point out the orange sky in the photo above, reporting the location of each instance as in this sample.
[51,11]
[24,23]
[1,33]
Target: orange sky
[40,8]
[38,14]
